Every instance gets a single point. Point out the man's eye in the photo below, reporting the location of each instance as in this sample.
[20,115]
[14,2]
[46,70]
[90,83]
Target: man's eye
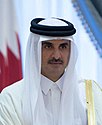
[47,46]
[63,46]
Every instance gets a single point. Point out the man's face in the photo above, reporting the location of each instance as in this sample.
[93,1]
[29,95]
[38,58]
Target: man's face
[55,58]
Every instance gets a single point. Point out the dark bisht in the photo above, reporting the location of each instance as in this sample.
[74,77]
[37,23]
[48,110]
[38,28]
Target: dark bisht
[52,30]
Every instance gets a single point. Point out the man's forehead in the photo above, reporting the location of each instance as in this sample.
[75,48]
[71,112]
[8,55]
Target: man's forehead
[57,41]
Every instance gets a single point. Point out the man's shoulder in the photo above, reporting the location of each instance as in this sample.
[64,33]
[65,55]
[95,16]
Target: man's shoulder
[14,89]
[93,92]
[89,82]
[11,103]
[90,85]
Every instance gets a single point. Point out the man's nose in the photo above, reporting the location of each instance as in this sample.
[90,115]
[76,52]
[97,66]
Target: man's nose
[56,54]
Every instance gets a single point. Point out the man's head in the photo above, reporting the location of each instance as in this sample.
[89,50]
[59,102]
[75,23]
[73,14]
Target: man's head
[55,36]
[55,58]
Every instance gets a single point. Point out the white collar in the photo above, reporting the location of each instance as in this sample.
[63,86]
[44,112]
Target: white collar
[47,84]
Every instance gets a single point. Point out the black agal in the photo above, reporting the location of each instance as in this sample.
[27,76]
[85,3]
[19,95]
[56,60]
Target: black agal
[52,30]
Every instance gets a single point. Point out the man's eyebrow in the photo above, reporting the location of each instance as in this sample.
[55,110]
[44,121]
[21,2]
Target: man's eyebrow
[67,43]
[46,42]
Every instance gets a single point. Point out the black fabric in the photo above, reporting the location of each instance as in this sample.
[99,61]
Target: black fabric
[52,30]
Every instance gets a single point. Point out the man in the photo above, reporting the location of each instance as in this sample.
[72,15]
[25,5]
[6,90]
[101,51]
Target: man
[50,93]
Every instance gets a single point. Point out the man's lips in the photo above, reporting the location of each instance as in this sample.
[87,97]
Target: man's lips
[55,63]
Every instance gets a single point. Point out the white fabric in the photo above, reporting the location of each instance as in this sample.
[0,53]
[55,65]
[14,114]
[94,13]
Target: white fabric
[52,92]
[55,101]
[34,111]
[53,22]
[97,93]
[11,106]
[11,103]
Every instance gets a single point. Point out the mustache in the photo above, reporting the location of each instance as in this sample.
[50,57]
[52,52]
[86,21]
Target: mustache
[53,60]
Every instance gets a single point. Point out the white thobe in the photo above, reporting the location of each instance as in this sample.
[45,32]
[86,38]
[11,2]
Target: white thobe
[52,92]
[11,106]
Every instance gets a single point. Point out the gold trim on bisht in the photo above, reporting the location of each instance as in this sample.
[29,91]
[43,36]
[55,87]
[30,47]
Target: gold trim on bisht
[90,103]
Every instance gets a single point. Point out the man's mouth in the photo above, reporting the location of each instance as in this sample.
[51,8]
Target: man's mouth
[55,63]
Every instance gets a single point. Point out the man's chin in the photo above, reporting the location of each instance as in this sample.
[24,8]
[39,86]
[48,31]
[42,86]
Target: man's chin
[56,71]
